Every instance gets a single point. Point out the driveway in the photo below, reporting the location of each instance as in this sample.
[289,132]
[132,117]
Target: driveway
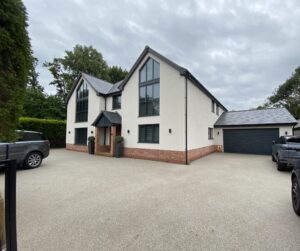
[76,201]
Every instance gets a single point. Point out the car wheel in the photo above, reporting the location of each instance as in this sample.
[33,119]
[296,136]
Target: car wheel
[273,159]
[296,196]
[280,166]
[33,160]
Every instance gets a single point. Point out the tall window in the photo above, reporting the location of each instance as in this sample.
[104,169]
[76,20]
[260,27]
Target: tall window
[212,106]
[82,100]
[218,110]
[149,89]
[116,102]
[149,133]
[210,133]
[81,136]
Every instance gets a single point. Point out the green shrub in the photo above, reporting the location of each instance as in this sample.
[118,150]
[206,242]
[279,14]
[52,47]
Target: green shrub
[119,139]
[54,130]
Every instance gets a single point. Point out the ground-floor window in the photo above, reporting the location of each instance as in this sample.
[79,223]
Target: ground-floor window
[81,136]
[210,133]
[149,133]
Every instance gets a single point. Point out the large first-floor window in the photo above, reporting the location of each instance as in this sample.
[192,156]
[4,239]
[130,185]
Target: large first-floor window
[149,100]
[149,133]
[81,136]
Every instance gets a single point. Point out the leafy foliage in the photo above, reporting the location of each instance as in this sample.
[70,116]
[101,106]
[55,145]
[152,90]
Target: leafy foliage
[116,74]
[54,130]
[287,95]
[86,59]
[15,63]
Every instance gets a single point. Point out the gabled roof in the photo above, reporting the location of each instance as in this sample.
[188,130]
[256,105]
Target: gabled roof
[100,86]
[107,119]
[183,71]
[263,117]
[115,88]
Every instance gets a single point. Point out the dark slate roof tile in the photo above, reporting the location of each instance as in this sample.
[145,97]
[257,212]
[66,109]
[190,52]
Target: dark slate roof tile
[273,116]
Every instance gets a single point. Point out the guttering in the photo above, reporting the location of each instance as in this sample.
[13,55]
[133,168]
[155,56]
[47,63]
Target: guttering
[253,125]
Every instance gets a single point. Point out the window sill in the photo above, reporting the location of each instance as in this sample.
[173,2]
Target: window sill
[139,116]
[147,142]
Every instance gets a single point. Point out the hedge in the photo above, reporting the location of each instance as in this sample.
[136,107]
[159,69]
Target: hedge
[54,130]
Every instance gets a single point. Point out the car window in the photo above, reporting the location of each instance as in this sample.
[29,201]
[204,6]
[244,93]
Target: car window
[294,140]
[29,136]
[282,140]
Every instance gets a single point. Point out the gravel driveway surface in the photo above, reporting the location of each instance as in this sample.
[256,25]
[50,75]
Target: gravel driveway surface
[76,201]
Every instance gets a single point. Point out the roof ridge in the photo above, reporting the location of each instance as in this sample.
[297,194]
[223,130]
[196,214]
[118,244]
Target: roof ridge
[264,109]
[97,78]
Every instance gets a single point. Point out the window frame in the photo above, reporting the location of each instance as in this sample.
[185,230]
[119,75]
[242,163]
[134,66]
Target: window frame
[81,115]
[212,106]
[80,142]
[210,133]
[147,126]
[113,103]
[151,83]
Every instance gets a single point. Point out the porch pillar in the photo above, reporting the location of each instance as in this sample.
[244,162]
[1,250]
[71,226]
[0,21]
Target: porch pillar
[97,140]
[113,134]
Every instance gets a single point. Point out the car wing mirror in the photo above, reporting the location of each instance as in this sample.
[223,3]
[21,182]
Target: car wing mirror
[273,142]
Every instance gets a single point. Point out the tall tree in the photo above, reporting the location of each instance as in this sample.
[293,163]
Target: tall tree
[288,95]
[15,63]
[82,59]
[116,74]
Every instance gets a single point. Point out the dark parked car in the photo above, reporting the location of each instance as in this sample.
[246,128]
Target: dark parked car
[29,151]
[296,188]
[286,151]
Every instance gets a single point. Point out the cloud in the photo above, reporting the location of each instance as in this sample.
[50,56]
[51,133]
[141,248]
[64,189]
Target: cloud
[240,50]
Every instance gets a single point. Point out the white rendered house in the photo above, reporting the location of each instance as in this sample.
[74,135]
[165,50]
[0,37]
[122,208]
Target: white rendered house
[164,113]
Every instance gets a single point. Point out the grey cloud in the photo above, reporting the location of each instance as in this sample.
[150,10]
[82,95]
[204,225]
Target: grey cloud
[240,50]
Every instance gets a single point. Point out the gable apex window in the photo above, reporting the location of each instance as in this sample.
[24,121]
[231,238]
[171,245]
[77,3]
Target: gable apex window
[82,100]
[149,88]
[116,102]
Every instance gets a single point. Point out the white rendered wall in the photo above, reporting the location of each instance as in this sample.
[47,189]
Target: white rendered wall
[96,104]
[171,110]
[200,118]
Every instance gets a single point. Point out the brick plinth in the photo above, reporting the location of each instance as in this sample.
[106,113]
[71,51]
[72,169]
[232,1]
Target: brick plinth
[78,148]
[201,152]
[153,154]
[169,156]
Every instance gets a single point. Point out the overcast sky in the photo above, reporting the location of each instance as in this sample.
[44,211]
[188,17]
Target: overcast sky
[239,50]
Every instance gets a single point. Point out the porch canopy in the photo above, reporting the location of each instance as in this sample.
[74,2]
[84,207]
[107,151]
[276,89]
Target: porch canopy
[107,119]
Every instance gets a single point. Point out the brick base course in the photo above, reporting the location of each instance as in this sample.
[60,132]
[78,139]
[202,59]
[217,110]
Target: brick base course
[159,155]
[153,154]
[169,156]
[78,148]
[201,152]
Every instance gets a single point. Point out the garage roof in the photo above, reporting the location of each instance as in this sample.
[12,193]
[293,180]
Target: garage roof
[263,117]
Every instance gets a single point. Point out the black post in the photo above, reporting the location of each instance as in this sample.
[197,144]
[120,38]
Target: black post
[10,206]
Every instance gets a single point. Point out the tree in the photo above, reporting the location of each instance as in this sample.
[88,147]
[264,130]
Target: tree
[116,74]
[287,95]
[15,63]
[82,59]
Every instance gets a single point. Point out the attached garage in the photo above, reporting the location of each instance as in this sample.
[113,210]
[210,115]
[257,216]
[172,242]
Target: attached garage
[252,131]
[253,141]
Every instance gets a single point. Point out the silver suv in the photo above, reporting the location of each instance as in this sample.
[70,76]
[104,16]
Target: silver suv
[286,151]
[29,151]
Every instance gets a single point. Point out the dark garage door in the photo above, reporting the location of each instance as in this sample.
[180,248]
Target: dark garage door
[255,141]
